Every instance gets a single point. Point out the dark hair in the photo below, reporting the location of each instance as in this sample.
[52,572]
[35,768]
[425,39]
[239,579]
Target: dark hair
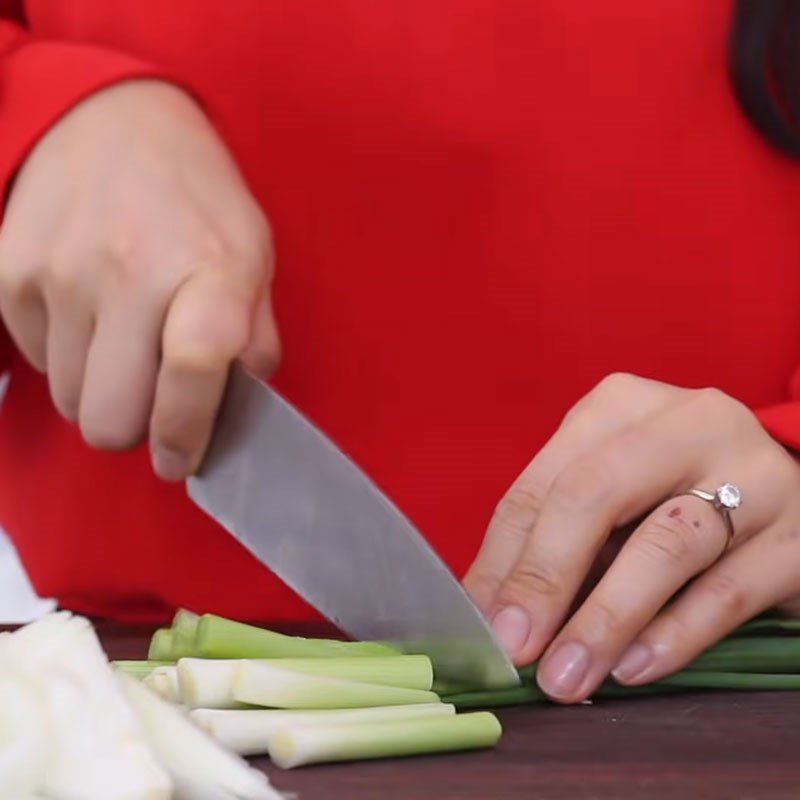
[764,57]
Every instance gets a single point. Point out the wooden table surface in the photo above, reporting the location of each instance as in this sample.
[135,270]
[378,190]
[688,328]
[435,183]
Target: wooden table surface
[721,746]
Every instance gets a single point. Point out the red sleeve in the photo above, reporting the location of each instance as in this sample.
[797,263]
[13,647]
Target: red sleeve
[40,80]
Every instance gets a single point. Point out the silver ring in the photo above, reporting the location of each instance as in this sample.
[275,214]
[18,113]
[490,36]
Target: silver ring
[725,499]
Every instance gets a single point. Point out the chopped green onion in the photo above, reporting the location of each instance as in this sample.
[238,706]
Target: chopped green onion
[185,622]
[161,646]
[164,682]
[184,629]
[217,637]
[198,765]
[409,672]
[267,685]
[140,669]
[248,733]
[296,745]
[208,683]
[96,747]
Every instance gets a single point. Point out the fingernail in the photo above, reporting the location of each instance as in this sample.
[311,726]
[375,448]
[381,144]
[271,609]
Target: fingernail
[562,673]
[511,626]
[635,660]
[170,464]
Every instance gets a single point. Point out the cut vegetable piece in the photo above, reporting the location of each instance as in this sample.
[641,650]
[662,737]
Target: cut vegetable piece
[248,733]
[409,672]
[267,685]
[99,751]
[185,621]
[184,629]
[199,766]
[309,744]
[217,637]
[161,646]
[140,669]
[164,682]
[208,683]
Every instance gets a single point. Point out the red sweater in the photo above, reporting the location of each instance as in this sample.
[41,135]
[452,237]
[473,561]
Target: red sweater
[481,208]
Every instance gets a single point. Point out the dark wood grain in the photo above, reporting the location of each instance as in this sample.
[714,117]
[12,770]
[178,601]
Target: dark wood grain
[694,747]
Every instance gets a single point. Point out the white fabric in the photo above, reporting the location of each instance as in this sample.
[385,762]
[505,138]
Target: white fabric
[18,601]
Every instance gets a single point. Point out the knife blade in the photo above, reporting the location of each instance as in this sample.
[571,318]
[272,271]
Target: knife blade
[307,512]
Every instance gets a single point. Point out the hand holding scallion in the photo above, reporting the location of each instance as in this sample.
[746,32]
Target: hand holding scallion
[597,561]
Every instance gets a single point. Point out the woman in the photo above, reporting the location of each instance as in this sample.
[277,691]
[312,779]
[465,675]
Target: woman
[481,210]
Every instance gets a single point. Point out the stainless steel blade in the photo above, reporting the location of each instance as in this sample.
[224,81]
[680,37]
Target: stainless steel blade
[306,511]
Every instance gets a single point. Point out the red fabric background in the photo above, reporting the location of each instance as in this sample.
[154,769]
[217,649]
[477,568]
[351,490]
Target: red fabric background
[481,208]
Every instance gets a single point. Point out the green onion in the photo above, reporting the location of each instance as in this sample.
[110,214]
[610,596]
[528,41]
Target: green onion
[768,624]
[184,629]
[303,744]
[140,669]
[164,682]
[757,654]
[732,680]
[266,685]
[217,637]
[208,683]
[161,646]
[248,733]
[495,698]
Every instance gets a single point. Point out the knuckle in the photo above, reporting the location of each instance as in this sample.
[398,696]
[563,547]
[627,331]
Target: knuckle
[17,276]
[254,237]
[606,620]
[529,578]
[207,247]
[482,581]
[616,383]
[176,430]
[673,630]
[182,357]
[122,248]
[725,592]
[665,538]
[65,275]
[583,486]
[518,509]
[720,407]
[183,354]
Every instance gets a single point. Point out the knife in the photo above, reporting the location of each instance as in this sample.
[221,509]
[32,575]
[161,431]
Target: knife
[307,512]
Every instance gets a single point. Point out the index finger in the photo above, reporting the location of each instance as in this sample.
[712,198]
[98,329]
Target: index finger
[207,327]
[616,402]
[615,483]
